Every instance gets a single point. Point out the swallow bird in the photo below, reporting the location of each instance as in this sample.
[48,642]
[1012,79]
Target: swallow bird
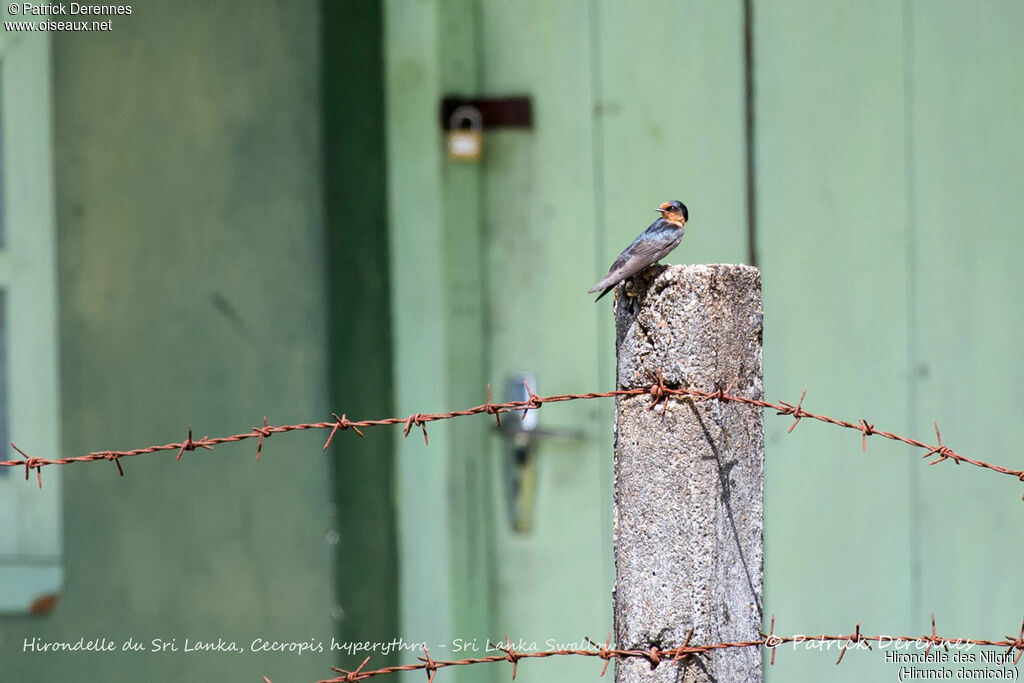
[650,246]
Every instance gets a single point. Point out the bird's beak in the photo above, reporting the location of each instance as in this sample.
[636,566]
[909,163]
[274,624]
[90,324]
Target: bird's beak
[660,210]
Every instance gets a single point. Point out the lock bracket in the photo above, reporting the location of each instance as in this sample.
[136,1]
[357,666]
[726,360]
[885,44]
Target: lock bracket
[512,111]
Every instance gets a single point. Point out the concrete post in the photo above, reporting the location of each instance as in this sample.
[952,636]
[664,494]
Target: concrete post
[688,481]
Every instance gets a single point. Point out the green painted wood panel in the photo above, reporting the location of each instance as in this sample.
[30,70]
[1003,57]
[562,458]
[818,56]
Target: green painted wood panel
[541,221]
[671,107]
[888,188]
[863,120]
[433,491]
[467,350]
[965,74]
[451,525]
[538,210]
[833,240]
[189,218]
[31,542]
[359,324]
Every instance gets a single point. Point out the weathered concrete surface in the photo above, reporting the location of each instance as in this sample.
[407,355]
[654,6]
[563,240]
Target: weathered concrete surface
[688,482]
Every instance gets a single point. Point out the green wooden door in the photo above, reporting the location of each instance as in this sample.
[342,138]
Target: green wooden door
[560,202]
[491,263]
[887,176]
[541,224]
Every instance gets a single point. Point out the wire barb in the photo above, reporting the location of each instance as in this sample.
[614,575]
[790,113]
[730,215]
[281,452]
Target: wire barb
[854,638]
[117,461]
[1017,644]
[263,432]
[354,675]
[340,424]
[491,409]
[31,464]
[867,430]
[534,402]
[794,410]
[771,641]
[511,655]
[429,665]
[189,445]
[604,653]
[659,394]
[421,422]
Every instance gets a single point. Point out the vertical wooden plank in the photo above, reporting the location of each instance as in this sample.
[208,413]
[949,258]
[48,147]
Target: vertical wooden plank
[32,565]
[968,169]
[540,215]
[359,329]
[419,303]
[832,238]
[669,125]
[466,346]
[437,307]
[669,122]
[671,112]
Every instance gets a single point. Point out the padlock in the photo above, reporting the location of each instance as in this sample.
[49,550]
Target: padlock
[465,143]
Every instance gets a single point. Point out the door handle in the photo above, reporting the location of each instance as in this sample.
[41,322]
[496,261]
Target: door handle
[522,432]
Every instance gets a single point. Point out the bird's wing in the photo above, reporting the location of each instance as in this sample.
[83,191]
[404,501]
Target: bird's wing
[635,258]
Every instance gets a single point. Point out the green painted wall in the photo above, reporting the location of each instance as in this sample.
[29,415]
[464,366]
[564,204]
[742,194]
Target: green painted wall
[189,204]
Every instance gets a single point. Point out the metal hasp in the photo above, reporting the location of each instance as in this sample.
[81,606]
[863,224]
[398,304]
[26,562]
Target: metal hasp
[513,111]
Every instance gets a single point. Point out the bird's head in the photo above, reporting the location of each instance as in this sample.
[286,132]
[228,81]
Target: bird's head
[674,211]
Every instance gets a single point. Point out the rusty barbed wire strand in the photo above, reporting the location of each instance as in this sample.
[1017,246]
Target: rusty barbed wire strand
[658,391]
[655,656]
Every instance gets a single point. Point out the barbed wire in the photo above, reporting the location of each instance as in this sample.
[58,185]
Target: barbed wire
[656,656]
[658,391]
